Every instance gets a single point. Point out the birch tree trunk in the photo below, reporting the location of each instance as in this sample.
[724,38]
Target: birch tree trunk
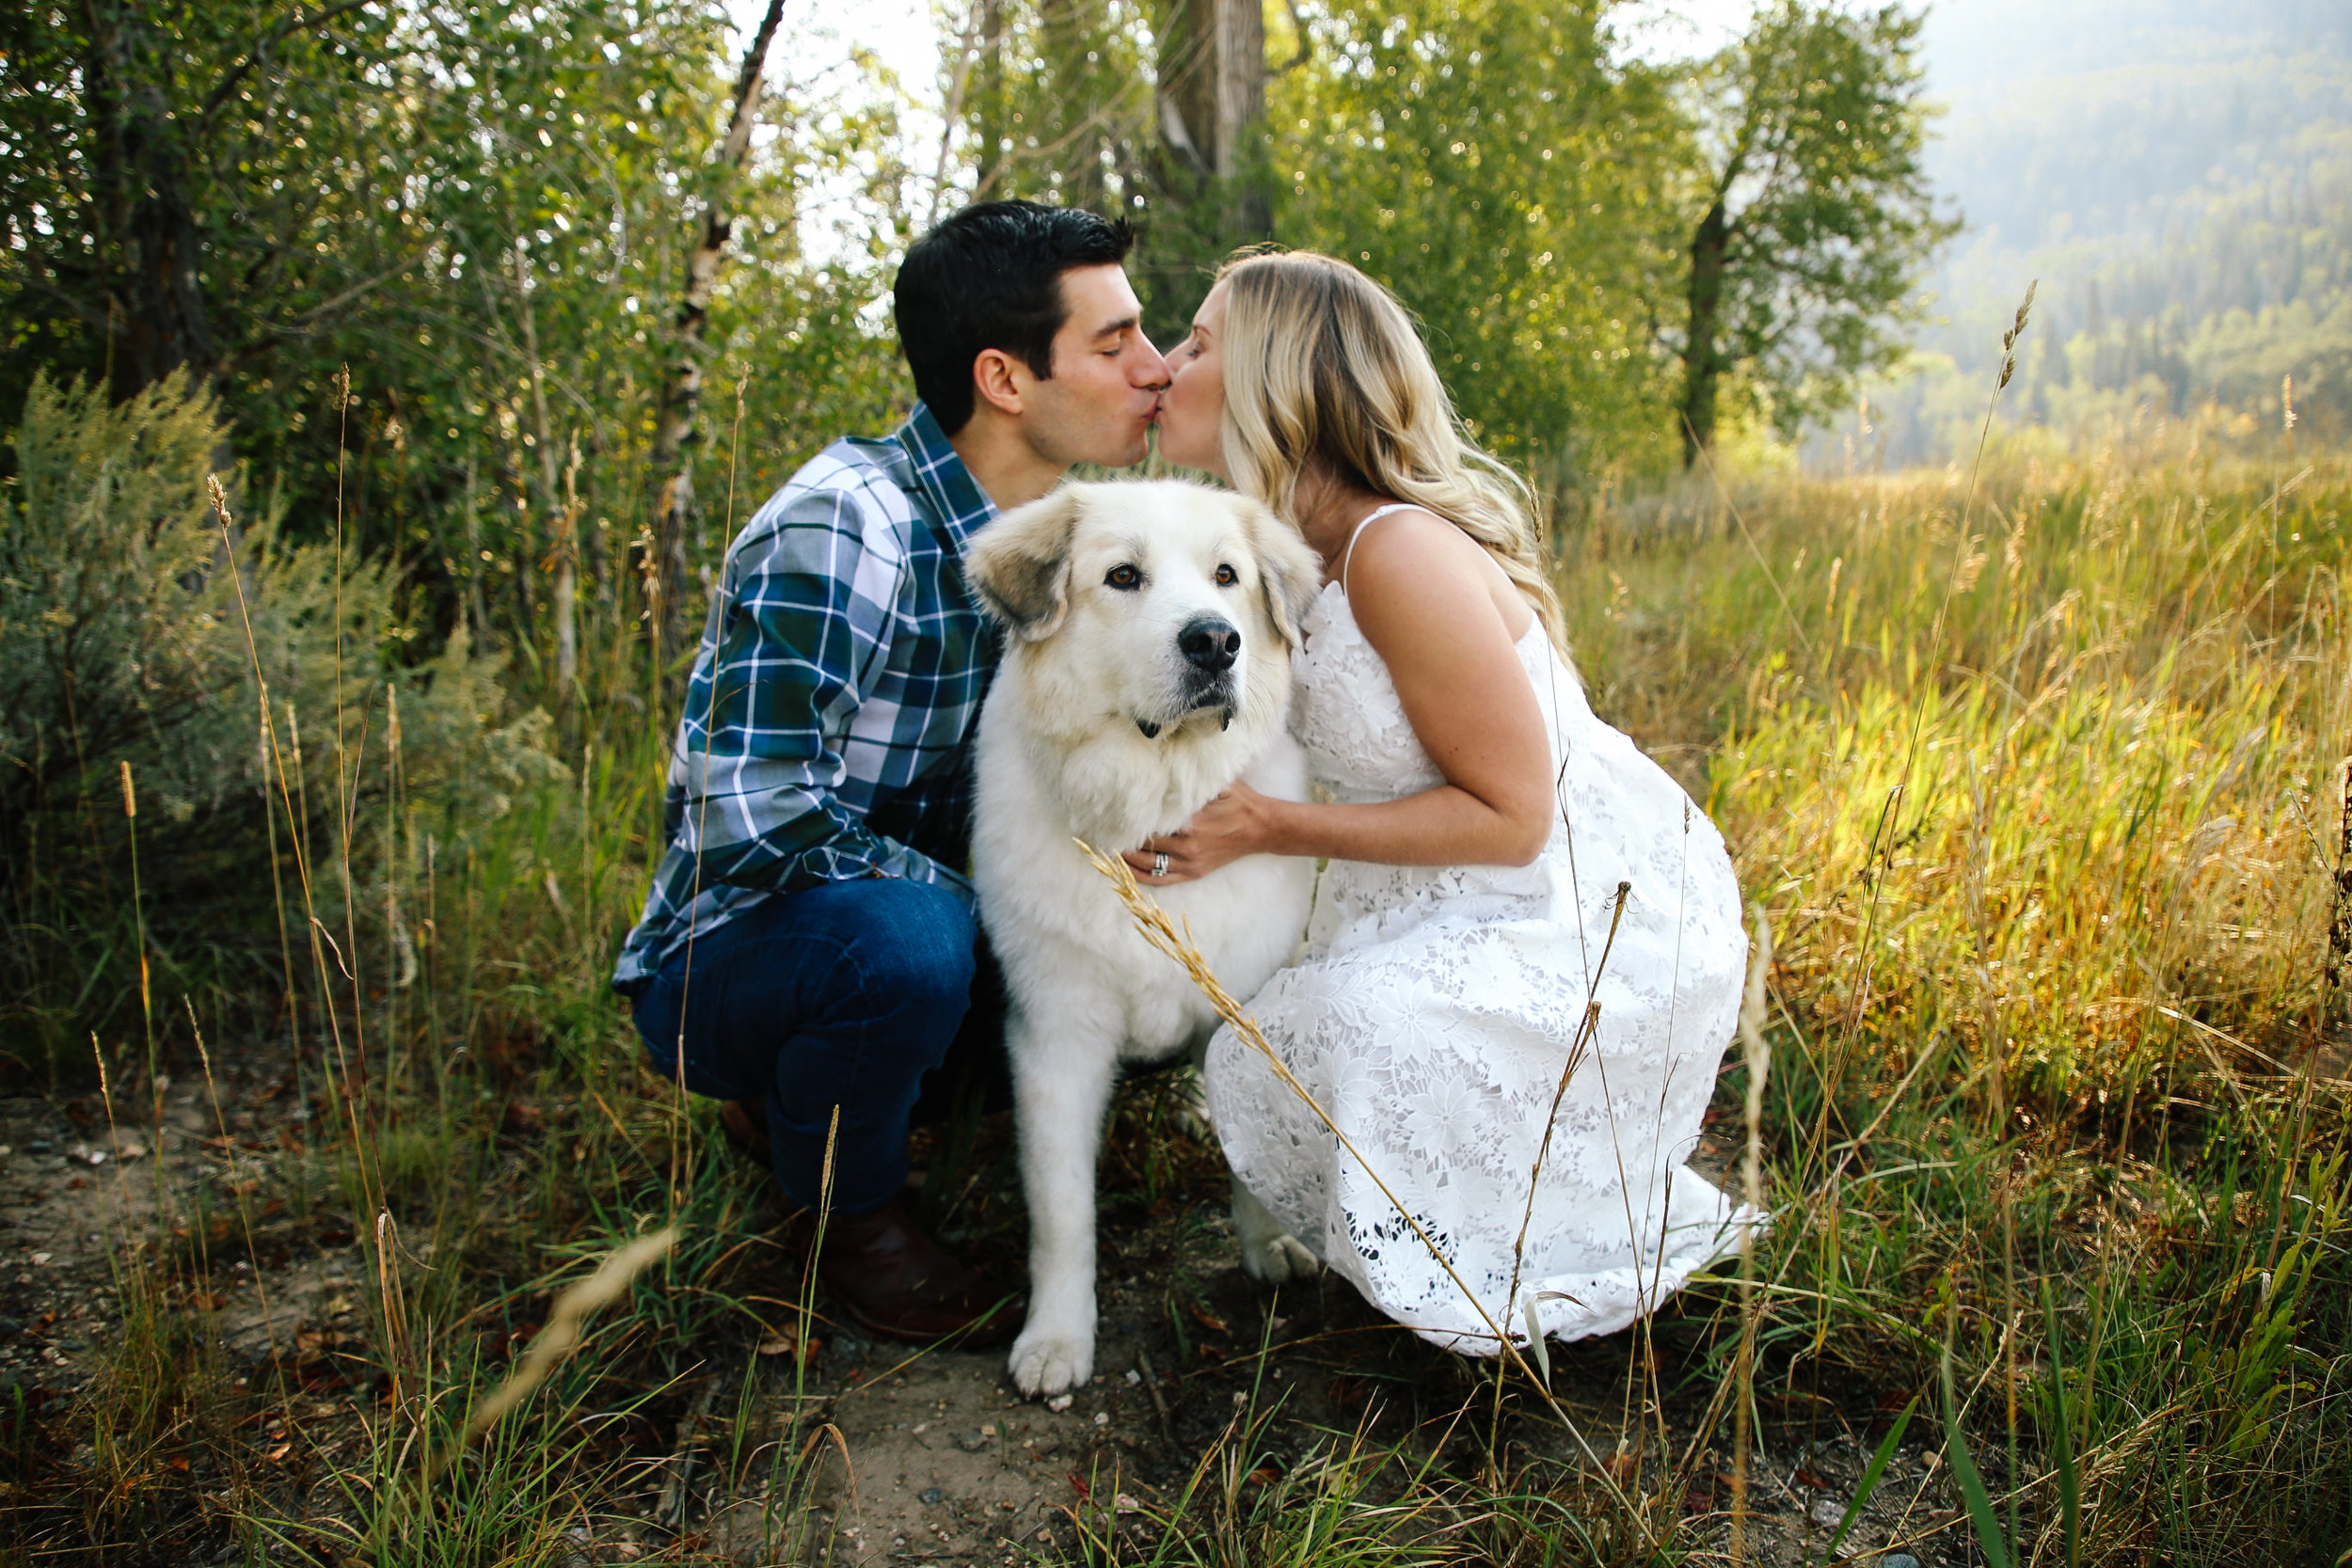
[674,434]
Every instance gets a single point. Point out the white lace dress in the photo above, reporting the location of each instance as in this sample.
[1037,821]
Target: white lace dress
[1436,1007]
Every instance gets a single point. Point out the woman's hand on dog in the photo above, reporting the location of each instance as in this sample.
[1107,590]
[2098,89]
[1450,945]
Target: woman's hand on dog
[1237,823]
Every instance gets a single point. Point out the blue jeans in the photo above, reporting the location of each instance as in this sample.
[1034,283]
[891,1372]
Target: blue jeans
[840,997]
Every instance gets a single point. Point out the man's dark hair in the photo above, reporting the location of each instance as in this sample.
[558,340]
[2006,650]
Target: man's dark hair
[989,276]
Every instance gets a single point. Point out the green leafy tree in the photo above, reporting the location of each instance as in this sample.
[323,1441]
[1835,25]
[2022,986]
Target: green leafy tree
[260,193]
[1488,160]
[161,186]
[1813,219]
[1056,96]
[1489,163]
[487,213]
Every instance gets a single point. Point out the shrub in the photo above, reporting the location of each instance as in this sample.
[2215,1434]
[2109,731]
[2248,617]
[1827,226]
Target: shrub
[283,736]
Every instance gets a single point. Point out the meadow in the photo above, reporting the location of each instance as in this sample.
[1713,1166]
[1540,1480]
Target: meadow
[2036,772]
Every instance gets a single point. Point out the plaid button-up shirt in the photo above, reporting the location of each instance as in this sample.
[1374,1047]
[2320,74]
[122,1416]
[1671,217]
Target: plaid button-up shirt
[839,673]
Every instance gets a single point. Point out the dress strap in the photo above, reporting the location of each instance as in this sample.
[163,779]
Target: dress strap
[1348,552]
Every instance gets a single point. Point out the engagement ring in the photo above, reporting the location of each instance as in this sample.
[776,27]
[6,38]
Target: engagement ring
[1159,863]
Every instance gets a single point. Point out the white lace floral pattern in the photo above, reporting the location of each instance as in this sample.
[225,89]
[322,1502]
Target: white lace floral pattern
[1436,1007]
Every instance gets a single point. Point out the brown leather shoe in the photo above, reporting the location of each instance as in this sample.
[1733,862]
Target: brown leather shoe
[894,1278]
[745,1124]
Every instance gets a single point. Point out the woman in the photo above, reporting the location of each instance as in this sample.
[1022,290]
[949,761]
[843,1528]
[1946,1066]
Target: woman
[1502,864]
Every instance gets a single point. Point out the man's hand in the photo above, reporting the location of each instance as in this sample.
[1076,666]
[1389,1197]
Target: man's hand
[1239,822]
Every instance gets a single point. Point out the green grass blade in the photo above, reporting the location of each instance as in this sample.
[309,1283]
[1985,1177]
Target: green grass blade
[1971,1484]
[2061,1429]
[1871,1473]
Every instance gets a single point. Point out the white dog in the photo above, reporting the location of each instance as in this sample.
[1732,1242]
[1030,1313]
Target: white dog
[1148,667]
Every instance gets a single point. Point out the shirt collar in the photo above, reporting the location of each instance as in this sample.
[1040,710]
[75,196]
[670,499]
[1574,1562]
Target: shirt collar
[958,502]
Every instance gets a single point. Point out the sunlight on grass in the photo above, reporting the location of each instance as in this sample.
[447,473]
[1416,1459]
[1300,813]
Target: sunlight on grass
[2044,816]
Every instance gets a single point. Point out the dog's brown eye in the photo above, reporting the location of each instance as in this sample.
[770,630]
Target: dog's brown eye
[1124,578]
[1225,575]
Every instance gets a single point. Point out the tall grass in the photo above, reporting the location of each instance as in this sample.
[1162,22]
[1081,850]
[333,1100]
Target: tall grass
[462,1127]
[2061,961]
[2057,1097]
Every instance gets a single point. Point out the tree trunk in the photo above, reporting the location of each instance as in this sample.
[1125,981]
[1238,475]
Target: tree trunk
[1702,361]
[681,403]
[565,518]
[1212,109]
[1241,119]
[990,118]
[141,191]
[1187,85]
[564,554]
[477,609]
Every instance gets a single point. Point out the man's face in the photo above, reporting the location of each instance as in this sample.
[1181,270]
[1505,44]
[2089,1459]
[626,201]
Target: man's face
[1098,404]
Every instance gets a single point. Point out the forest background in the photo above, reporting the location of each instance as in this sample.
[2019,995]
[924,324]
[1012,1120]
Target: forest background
[540,237]
[476,294]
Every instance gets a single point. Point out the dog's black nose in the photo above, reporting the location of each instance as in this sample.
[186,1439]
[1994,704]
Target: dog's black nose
[1208,645]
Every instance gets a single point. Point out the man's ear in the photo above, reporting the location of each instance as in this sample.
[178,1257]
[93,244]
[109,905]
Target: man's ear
[996,380]
[1289,572]
[1018,565]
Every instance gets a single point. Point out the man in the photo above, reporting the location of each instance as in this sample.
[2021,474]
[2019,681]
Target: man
[808,949]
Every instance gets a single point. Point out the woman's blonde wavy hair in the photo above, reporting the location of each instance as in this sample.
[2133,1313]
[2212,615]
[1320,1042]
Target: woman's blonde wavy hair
[1325,372]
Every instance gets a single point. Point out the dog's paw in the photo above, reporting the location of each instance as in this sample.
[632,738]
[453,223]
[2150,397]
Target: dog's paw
[1270,1254]
[1193,1122]
[1045,1361]
[1278,1258]
[1189,1110]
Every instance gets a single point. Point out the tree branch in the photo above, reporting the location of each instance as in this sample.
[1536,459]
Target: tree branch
[261,51]
[738,140]
[681,400]
[73,304]
[292,327]
[1306,45]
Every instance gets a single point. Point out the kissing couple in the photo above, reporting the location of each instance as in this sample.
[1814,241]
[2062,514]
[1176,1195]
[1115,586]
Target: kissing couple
[1525,955]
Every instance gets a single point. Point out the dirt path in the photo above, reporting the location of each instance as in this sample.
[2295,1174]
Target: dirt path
[906,1457]
[934,1458]
[68,1184]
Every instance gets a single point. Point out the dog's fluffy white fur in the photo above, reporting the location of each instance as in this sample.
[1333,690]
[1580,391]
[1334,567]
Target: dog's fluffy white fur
[1102,727]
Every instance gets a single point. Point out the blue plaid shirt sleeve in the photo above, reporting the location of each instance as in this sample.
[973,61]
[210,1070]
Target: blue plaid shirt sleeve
[809,623]
[839,670]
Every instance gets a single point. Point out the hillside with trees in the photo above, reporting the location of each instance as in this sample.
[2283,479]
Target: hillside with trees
[2179,177]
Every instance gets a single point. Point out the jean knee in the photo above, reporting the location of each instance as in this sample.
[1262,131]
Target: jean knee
[918,948]
[931,978]
[655,1013]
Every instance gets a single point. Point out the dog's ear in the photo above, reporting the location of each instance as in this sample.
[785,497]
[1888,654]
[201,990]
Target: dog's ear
[1018,565]
[1289,570]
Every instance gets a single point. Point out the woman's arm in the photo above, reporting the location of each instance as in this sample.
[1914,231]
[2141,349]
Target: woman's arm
[1439,614]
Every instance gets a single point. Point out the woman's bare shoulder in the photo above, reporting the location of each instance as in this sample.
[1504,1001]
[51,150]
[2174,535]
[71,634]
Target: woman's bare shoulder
[1396,549]
[1414,572]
